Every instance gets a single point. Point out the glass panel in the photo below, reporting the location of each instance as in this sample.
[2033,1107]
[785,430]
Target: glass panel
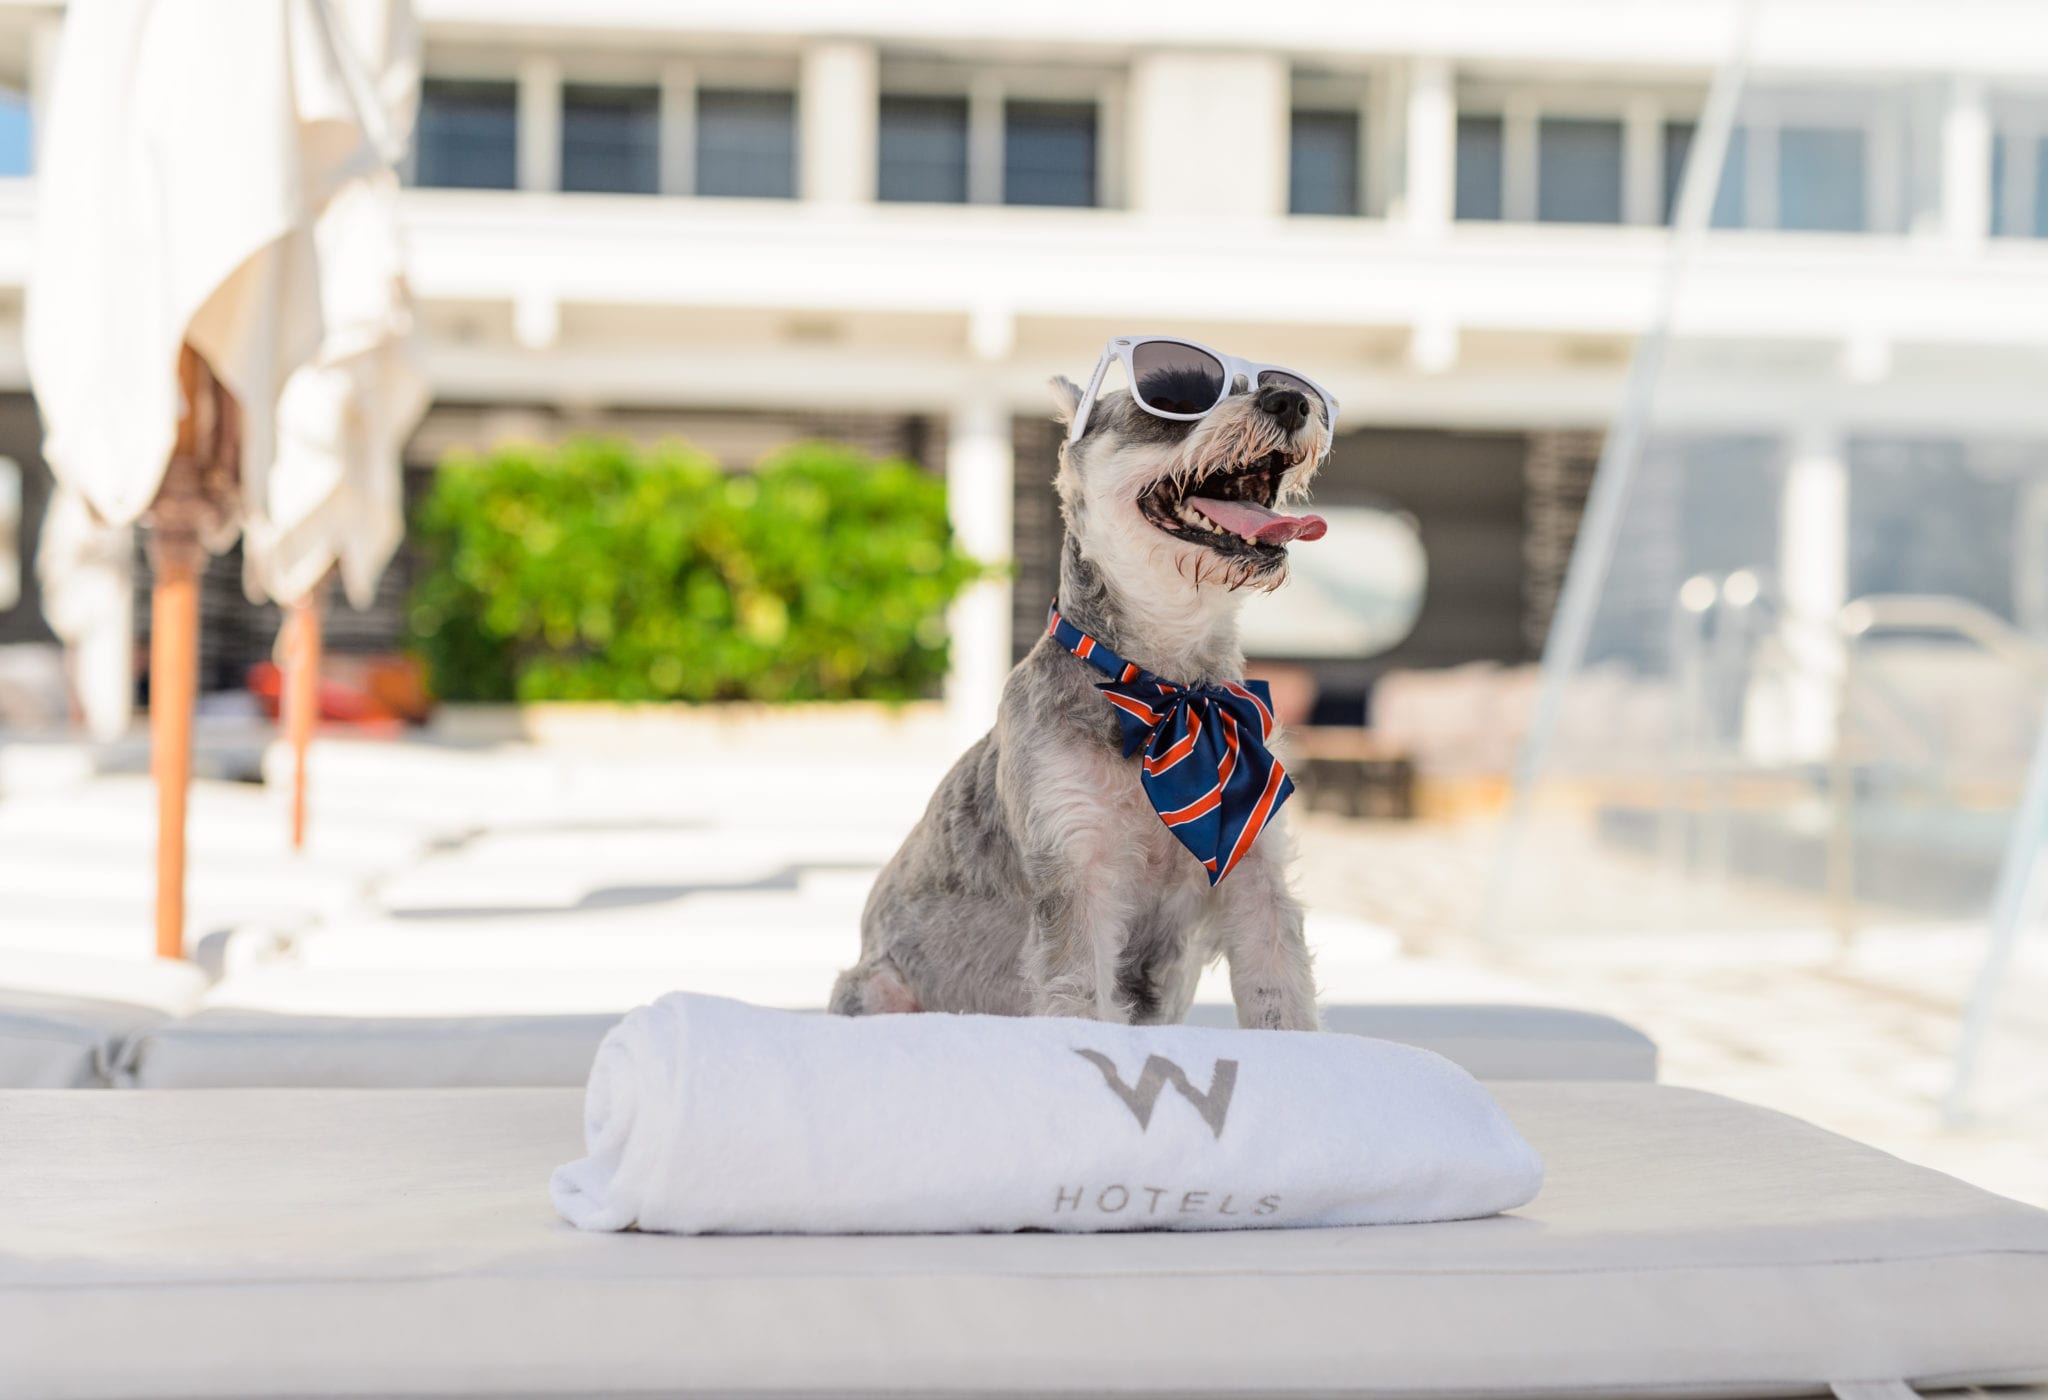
[468,135]
[17,137]
[1049,153]
[1322,164]
[923,150]
[611,138]
[746,143]
[1728,200]
[1479,167]
[1821,180]
[1792,694]
[1578,171]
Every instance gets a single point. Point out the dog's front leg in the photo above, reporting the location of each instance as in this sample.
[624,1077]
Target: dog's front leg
[1272,977]
[1078,929]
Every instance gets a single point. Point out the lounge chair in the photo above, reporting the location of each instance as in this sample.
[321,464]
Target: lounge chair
[349,1242]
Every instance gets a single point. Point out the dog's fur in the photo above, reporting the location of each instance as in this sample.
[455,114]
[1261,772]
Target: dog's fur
[1040,880]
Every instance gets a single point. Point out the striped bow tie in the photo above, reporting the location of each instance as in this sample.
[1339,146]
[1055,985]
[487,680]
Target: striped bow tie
[1206,768]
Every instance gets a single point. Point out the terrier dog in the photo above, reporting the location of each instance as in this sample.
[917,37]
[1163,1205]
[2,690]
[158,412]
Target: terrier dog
[1042,879]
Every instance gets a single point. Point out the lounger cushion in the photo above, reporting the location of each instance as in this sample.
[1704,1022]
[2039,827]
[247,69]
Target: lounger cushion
[379,1243]
[224,1048]
[232,1048]
[65,1020]
[1497,1042]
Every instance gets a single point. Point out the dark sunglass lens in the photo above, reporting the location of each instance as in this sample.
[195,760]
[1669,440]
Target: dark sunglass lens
[1280,379]
[1174,378]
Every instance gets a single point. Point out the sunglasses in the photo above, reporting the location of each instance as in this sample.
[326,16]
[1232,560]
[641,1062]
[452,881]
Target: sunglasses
[1179,379]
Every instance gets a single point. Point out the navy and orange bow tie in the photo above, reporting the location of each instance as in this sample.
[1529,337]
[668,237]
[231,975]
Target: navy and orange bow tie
[1206,769]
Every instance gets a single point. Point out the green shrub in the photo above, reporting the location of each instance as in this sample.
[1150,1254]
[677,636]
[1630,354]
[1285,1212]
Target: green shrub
[601,571]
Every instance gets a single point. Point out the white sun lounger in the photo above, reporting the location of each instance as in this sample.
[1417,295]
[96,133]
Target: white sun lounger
[400,1243]
[79,1034]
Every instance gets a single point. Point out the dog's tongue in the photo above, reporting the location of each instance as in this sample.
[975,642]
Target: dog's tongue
[1255,522]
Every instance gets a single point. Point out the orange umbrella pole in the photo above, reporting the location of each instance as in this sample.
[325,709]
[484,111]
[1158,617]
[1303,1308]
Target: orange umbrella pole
[173,685]
[197,495]
[301,698]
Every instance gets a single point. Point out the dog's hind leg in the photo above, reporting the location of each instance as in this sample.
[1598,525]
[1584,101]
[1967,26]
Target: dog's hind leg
[872,988]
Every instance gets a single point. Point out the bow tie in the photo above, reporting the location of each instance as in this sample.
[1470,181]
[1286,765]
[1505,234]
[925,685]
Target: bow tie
[1206,769]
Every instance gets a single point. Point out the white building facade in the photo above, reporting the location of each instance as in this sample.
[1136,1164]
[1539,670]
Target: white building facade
[896,219]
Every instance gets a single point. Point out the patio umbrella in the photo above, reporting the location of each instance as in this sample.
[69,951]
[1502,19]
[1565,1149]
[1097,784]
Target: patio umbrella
[87,571]
[335,498]
[174,291]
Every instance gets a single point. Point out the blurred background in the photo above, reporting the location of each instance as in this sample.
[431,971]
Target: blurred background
[737,324]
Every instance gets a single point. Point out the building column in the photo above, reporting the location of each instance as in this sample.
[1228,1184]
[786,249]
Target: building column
[1966,166]
[1813,582]
[838,110]
[1520,154]
[980,471]
[1429,200]
[678,145]
[540,123]
[1642,183]
[985,153]
[1195,114]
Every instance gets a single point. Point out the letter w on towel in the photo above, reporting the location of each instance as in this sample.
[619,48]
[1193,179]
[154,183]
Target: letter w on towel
[1159,1071]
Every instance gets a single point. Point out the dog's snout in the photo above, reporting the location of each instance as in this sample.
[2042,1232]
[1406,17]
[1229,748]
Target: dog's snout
[1288,407]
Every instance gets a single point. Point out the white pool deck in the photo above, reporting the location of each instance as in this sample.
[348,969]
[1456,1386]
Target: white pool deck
[573,875]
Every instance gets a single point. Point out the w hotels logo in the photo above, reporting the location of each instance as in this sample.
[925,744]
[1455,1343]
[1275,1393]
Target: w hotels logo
[1160,1072]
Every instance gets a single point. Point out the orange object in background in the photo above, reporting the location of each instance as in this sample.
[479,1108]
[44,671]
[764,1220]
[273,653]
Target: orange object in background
[367,691]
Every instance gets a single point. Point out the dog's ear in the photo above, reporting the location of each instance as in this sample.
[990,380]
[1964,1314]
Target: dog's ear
[1066,398]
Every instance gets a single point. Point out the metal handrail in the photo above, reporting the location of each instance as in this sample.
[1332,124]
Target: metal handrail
[1936,612]
[1699,668]
[1856,623]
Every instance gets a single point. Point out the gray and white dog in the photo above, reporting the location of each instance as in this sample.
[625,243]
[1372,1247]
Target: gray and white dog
[1040,880]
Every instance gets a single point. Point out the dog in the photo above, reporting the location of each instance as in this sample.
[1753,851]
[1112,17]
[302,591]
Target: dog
[1041,879]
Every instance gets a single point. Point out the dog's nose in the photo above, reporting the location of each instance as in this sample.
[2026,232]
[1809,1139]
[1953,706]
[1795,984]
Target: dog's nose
[1288,407]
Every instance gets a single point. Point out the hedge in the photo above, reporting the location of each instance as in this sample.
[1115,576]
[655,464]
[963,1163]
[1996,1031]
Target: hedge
[597,570]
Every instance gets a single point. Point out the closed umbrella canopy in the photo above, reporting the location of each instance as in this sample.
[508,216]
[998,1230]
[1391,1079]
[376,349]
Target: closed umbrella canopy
[190,149]
[335,494]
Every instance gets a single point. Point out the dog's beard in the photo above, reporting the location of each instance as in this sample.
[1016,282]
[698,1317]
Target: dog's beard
[1212,499]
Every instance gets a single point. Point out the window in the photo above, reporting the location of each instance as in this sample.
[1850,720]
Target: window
[611,138]
[1322,163]
[1821,180]
[468,135]
[1049,153]
[2040,200]
[923,150]
[2003,224]
[1578,171]
[17,137]
[746,143]
[2019,184]
[1479,167]
[1728,200]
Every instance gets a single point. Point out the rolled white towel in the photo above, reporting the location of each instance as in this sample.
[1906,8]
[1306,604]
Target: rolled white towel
[705,1115]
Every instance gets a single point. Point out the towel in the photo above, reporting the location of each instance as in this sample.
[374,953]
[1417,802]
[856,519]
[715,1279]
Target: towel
[711,1116]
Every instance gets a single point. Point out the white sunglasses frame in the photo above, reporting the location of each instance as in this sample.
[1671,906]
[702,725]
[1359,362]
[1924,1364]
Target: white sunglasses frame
[1118,351]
